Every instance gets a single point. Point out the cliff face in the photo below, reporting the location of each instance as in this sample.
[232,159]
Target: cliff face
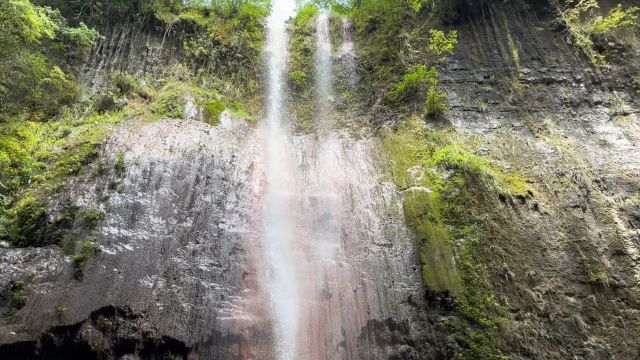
[565,259]
[178,272]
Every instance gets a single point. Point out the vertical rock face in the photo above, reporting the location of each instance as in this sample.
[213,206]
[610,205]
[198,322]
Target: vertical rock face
[539,109]
[173,238]
[362,270]
[180,254]
[136,47]
[182,271]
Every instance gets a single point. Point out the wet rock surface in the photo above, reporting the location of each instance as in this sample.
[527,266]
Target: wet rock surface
[177,276]
[170,242]
[569,275]
[109,332]
[177,266]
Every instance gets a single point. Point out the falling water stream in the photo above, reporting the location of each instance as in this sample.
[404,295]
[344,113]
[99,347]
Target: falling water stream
[277,221]
[328,266]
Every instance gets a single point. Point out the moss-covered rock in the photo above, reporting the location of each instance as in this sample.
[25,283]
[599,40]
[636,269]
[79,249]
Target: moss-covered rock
[445,187]
[212,110]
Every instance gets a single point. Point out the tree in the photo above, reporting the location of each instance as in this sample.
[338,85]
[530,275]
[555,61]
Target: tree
[30,37]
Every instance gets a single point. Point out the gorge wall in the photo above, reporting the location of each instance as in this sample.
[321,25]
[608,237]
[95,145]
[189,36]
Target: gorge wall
[181,267]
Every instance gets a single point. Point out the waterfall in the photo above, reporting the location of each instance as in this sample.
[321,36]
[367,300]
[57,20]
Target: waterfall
[323,73]
[278,225]
[327,216]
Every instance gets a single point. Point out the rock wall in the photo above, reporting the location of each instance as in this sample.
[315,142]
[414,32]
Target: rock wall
[176,274]
[568,263]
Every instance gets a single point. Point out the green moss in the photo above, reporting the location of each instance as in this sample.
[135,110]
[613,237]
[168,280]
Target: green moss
[439,271]
[240,113]
[92,217]
[84,251]
[301,64]
[60,312]
[444,187]
[212,110]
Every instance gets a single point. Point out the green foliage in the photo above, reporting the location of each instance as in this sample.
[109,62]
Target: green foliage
[170,101]
[78,37]
[36,159]
[413,84]
[120,166]
[19,297]
[298,79]
[420,83]
[212,111]
[441,44]
[84,251]
[583,22]
[32,40]
[92,217]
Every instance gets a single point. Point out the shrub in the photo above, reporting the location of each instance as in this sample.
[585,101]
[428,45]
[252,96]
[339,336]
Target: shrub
[32,41]
[170,102]
[123,83]
[441,44]
[412,85]
[434,103]
[60,312]
[105,103]
[582,25]
[85,250]
[120,166]
[92,217]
